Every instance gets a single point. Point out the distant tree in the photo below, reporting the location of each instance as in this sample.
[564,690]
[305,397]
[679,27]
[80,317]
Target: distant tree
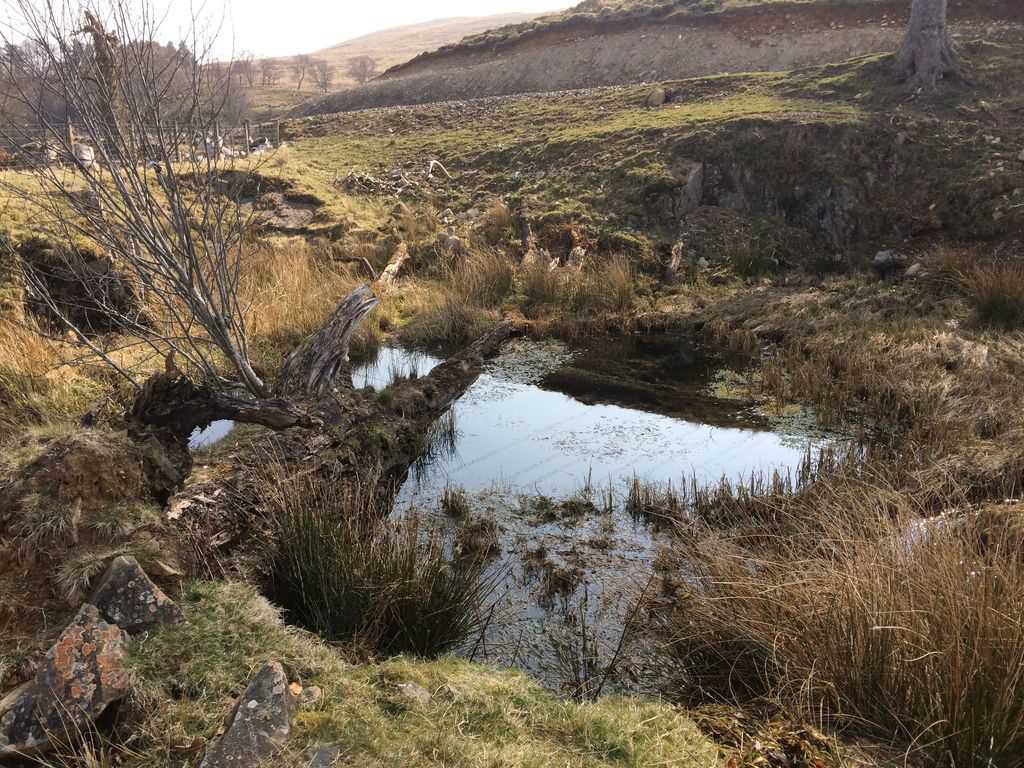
[323,75]
[245,68]
[270,73]
[927,54]
[362,68]
[301,65]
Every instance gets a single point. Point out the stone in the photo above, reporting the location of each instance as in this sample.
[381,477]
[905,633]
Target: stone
[914,270]
[657,98]
[413,694]
[691,196]
[452,243]
[258,726]
[321,756]
[311,696]
[83,673]
[84,154]
[1021,156]
[126,597]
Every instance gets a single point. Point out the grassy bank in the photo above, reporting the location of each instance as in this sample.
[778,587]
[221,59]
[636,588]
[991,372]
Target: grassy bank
[471,716]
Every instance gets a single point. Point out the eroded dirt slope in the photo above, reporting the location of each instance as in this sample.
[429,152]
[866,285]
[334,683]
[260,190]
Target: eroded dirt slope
[586,52]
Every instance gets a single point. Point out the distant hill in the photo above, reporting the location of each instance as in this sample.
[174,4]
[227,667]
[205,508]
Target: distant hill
[388,47]
[395,46]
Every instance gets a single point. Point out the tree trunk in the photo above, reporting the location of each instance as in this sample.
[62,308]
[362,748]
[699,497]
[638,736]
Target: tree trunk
[321,422]
[358,434]
[927,54]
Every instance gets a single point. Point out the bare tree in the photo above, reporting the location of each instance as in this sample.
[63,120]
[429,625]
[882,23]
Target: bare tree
[362,68]
[301,66]
[323,75]
[927,54]
[270,73]
[154,201]
[175,229]
[245,67]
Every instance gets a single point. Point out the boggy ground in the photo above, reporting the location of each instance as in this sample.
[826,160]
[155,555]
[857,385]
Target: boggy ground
[831,600]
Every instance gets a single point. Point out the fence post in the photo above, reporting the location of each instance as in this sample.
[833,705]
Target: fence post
[216,138]
[248,140]
[70,133]
[278,129]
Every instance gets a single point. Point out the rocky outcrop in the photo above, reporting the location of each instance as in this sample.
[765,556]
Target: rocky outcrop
[258,726]
[128,598]
[82,674]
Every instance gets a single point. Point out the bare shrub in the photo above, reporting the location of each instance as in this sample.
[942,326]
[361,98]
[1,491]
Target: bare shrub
[153,201]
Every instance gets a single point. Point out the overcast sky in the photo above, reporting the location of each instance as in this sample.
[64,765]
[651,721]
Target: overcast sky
[285,27]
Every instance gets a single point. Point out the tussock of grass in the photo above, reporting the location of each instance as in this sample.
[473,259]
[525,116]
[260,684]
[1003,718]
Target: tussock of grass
[343,569]
[436,315]
[186,677]
[609,287]
[873,616]
[455,502]
[996,290]
[484,279]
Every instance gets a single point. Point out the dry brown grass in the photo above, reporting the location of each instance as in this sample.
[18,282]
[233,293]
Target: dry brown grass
[870,616]
[605,288]
[35,386]
[484,279]
[290,288]
[996,291]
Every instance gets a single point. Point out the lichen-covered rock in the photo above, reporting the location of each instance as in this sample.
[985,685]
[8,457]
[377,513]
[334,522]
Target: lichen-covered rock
[83,674]
[259,724]
[321,756]
[128,598]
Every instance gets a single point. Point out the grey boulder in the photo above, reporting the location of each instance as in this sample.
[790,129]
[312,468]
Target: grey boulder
[126,597]
[83,673]
[258,726]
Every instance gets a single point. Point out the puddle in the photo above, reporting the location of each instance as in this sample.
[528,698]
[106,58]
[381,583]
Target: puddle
[543,422]
[211,435]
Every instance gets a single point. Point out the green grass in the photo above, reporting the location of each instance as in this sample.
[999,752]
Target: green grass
[596,159]
[186,676]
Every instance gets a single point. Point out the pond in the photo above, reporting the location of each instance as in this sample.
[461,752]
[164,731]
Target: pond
[546,423]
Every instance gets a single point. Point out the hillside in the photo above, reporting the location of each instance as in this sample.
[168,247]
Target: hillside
[595,45]
[388,47]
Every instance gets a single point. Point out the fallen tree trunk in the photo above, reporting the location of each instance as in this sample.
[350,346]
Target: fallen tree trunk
[320,424]
[387,278]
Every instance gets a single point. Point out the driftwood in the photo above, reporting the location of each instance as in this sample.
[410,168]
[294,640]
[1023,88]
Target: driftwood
[390,274]
[313,368]
[175,403]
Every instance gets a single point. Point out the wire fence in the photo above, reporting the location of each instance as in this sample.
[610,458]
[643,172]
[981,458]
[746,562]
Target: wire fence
[240,138]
